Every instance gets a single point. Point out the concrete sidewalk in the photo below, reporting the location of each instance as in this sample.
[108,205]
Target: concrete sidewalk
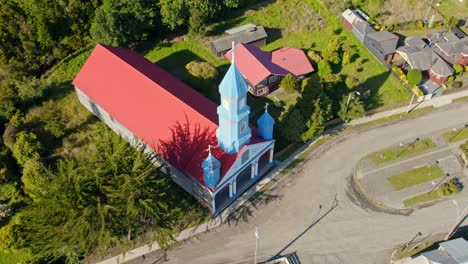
[435,102]
[140,251]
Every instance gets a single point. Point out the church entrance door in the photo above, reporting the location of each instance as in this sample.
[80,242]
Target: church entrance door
[243,180]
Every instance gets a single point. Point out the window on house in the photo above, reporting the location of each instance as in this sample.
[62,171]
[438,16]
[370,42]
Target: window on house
[245,156]
[261,91]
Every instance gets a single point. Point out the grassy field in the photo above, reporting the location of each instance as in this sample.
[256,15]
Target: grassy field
[422,198]
[415,176]
[453,8]
[457,135]
[11,257]
[400,152]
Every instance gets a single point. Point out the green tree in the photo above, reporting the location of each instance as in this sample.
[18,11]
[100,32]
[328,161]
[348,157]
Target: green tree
[292,124]
[414,77]
[26,147]
[312,89]
[331,52]
[121,23]
[324,68]
[352,110]
[105,197]
[316,123]
[29,89]
[346,58]
[174,13]
[289,84]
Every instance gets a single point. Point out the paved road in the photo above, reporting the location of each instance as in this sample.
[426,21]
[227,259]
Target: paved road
[342,231]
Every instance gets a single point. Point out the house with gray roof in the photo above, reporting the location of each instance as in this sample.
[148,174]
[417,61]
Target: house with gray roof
[449,252]
[418,55]
[452,46]
[246,34]
[382,44]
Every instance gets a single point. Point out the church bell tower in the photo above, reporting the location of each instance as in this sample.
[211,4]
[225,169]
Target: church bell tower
[233,113]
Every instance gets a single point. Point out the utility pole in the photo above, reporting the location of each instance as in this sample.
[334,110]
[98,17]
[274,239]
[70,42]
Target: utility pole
[349,99]
[460,219]
[411,102]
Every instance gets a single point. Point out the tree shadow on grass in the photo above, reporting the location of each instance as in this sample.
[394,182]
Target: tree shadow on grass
[175,64]
[374,84]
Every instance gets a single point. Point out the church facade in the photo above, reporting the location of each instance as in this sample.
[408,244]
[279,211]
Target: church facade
[212,151]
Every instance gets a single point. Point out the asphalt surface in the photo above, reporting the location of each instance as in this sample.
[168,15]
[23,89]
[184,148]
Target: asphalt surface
[314,212]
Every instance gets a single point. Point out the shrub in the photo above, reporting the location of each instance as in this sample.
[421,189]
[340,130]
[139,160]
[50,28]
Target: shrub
[53,119]
[332,78]
[9,136]
[324,68]
[289,84]
[26,147]
[314,56]
[346,58]
[457,84]
[458,68]
[351,82]
[414,76]
[201,69]
[417,91]
[450,79]
[450,187]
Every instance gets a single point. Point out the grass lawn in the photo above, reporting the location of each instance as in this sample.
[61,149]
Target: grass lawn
[400,152]
[422,198]
[457,135]
[461,99]
[453,8]
[415,176]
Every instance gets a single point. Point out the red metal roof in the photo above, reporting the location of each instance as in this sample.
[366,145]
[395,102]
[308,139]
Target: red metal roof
[293,60]
[150,103]
[257,65]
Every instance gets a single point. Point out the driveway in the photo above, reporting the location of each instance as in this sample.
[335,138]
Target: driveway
[313,211]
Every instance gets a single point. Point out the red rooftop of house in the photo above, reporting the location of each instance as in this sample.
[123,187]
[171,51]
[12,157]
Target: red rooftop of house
[257,65]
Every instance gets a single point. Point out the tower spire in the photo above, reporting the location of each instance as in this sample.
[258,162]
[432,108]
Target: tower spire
[209,150]
[232,51]
[266,107]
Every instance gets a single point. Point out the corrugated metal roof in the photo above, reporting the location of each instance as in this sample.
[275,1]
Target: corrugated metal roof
[239,29]
[224,44]
[387,41]
[457,249]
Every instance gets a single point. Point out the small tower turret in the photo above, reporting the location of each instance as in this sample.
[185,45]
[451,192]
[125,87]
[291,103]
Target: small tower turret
[265,125]
[211,173]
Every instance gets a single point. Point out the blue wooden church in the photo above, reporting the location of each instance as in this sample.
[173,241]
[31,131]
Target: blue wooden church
[212,151]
